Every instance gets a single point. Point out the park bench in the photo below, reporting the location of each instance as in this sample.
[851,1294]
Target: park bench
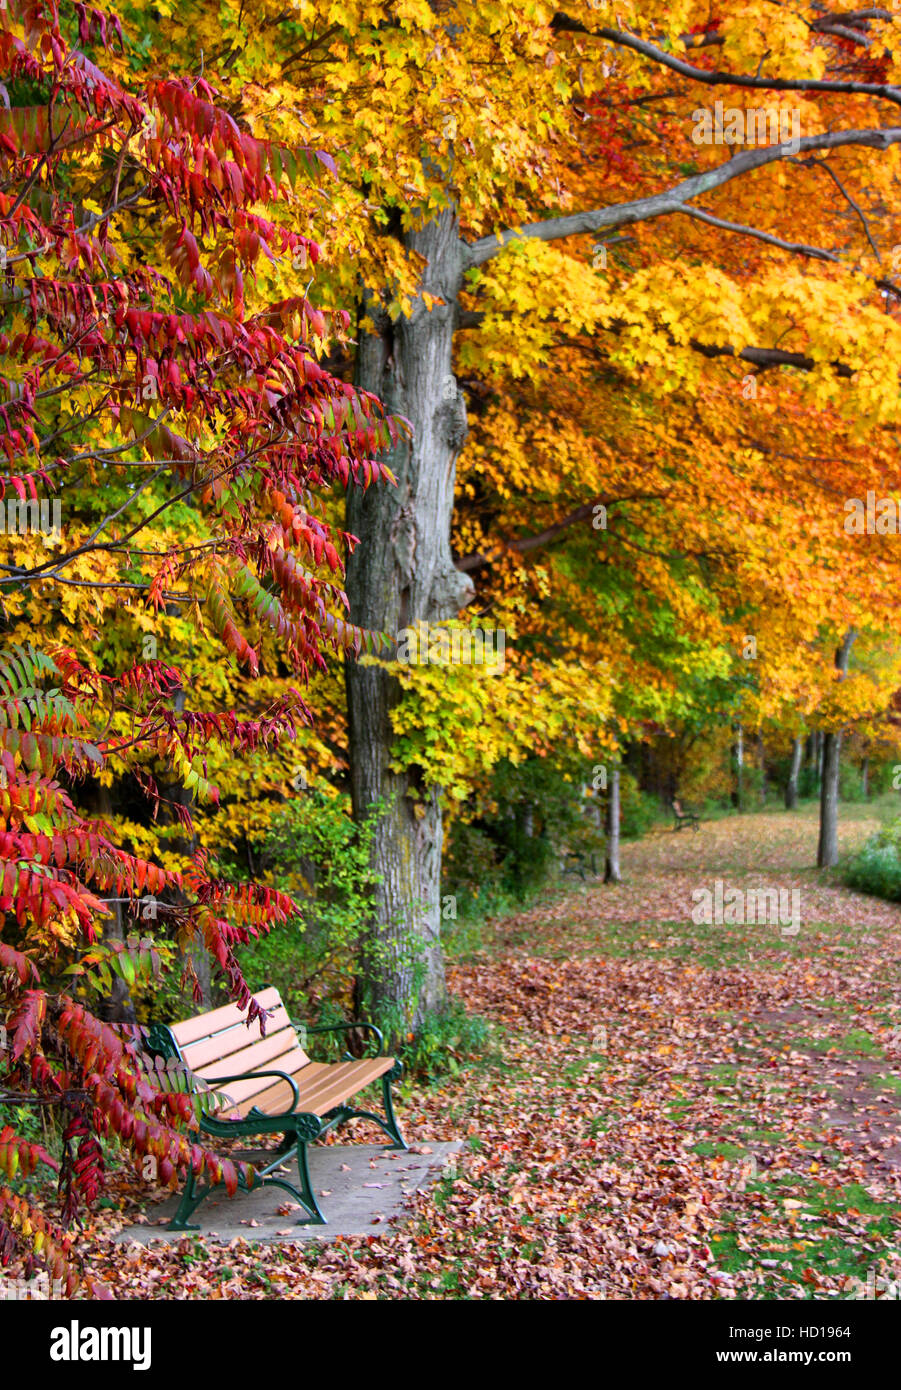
[577,861]
[684,817]
[268,1085]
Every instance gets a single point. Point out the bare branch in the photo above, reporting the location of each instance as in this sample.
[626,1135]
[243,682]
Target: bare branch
[822,164]
[814,252]
[523,544]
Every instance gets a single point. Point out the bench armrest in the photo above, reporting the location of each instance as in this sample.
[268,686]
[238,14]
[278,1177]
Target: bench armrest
[246,1075]
[346,1028]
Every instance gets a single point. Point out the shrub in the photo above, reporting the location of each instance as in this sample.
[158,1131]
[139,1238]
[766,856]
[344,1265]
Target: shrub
[876,868]
[638,811]
[316,847]
[530,810]
[446,1042]
[850,781]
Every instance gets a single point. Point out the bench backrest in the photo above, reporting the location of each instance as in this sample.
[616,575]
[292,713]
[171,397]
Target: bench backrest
[220,1043]
[677,806]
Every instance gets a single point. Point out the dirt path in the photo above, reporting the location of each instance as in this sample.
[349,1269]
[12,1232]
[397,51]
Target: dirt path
[746,1085]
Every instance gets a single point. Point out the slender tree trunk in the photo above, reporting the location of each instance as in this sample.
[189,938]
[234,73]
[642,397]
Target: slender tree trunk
[196,954]
[739,793]
[827,851]
[791,790]
[117,1007]
[611,863]
[819,748]
[865,778]
[401,573]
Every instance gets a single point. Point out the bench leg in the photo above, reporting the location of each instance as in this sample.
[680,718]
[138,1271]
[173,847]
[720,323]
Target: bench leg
[307,1196]
[392,1126]
[388,1122]
[191,1197]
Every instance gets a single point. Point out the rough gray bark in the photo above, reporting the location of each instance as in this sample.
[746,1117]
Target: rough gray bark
[791,790]
[827,850]
[401,573]
[611,862]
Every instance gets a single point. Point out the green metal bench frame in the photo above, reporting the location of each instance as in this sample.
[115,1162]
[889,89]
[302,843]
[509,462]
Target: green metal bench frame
[299,1128]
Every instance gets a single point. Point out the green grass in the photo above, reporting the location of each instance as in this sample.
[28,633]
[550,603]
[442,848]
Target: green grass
[820,1243]
[719,1149]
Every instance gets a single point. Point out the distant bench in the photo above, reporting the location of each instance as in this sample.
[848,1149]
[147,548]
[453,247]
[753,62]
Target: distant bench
[684,817]
[577,861]
[268,1085]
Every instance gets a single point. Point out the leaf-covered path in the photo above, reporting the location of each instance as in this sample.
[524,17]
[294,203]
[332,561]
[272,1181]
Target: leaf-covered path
[671,1111]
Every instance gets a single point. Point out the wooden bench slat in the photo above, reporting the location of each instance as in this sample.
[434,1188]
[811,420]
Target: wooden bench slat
[291,1061]
[272,1100]
[321,1086]
[267,1092]
[191,1029]
[341,1082]
[242,1048]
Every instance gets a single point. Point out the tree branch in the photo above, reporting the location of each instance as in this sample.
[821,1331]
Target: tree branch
[564,24]
[822,164]
[522,545]
[798,247]
[673,199]
[770,357]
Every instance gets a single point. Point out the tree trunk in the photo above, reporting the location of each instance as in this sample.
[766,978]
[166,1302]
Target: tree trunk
[403,572]
[761,753]
[196,955]
[738,794]
[791,790]
[611,862]
[827,851]
[117,1006]
[865,778]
